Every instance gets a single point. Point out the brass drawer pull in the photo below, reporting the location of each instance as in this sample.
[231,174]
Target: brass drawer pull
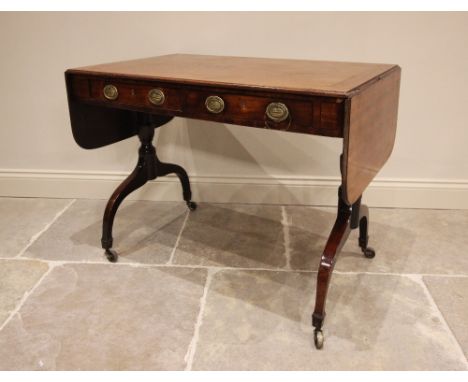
[214,104]
[156,96]
[110,92]
[277,111]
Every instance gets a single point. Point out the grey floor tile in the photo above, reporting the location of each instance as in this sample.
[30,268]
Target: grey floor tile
[451,296]
[234,236]
[406,240]
[17,277]
[86,316]
[260,320]
[104,317]
[308,231]
[144,232]
[22,218]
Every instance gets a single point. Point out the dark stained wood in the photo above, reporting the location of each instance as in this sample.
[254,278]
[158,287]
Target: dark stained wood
[94,126]
[335,242]
[370,134]
[308,115]
[148,167]
[313,91]
[347,219]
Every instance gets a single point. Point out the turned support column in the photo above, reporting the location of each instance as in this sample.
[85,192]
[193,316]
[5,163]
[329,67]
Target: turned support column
[148,167]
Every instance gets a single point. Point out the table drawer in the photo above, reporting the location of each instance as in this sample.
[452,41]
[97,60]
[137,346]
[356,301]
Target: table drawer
[128,94]
[313,116]
[310,115]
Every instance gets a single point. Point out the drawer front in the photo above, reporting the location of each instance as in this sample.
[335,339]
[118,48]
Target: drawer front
[129,95]
[309,115]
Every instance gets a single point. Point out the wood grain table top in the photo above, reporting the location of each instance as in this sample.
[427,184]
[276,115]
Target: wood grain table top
[332,78]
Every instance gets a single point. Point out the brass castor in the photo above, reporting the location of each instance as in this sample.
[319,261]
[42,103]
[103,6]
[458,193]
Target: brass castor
[191,205]
[369,252]
[318,339]
[111,255]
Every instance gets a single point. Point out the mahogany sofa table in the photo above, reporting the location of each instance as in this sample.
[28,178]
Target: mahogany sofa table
[357,102]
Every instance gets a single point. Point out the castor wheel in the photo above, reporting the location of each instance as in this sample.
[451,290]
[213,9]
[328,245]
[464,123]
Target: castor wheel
[191,205]
[368,252]
[111,255]
[318,339]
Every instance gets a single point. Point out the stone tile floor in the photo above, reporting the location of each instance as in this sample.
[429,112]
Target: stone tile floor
[227,287]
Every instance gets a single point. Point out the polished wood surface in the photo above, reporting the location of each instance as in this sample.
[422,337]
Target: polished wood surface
[370,134]
[347,219]
[303,76]
[353,101]
[308,114]
[315,92]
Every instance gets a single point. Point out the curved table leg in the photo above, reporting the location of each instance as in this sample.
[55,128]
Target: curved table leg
[337,238]
[135,180]
[149,167]
[368,252]
[360,218]
[348,218]
[170,168]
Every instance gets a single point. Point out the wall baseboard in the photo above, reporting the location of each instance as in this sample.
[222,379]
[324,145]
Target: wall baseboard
[320,191]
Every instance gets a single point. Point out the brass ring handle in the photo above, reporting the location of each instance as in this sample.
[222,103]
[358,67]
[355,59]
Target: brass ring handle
[110,92]
[214,104]
[272,120]
[156,97]
[277,111]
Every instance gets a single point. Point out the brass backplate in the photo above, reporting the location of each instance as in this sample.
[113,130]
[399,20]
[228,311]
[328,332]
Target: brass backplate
[214,104]
[277,111]
[110,92]
[156,96]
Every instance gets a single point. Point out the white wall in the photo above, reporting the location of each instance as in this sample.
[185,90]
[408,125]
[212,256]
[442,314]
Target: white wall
[428,168]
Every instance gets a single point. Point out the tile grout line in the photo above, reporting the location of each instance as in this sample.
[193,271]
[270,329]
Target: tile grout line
[26,295]
[171,258]
[419,279]
[226,268]
[286,237]
[192,348]
[47,226]
[150,265]
[397,274]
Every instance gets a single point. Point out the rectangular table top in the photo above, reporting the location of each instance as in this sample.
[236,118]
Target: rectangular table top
[328,78]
